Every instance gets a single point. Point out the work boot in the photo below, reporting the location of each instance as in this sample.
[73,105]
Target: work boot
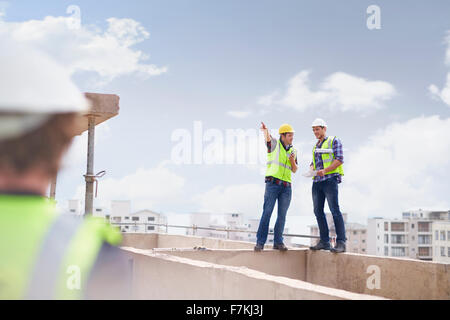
[339,247]
[321,246]
[259,247]
[280,247]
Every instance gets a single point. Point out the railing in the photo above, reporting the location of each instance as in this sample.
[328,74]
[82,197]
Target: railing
[195,228]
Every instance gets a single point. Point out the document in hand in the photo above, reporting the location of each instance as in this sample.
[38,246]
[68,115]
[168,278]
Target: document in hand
[310,174]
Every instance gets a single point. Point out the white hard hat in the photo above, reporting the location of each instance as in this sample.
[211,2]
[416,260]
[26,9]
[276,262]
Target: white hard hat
[319,123]
[32,88]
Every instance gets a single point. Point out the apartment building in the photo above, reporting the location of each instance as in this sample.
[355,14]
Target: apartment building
[232,221]
[441,241]
[411,236]
[253,224]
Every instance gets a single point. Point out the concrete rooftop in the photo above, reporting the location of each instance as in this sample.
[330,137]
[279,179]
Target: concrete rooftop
[189,267]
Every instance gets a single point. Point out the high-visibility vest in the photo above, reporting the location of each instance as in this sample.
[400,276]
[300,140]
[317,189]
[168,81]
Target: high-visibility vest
[46,255]
[278,164]
[327,156]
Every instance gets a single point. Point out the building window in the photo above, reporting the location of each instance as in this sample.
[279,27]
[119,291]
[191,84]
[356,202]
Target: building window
[442,251]
[398,251]
[424,239]
[135,218]
[98,210]
[448,235]
[151,218]
[386,226]
[424,251]
[448,251]
[355,232]
[386,251]
[412,225]
[443,235]
[127,218]
[423,226]
[436,235]
[397,226]
[151,228]
[386,238]
[363,231]
[398,239]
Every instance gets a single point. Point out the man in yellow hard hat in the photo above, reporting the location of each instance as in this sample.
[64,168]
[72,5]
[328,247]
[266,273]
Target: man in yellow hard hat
[44,254]
[281,161]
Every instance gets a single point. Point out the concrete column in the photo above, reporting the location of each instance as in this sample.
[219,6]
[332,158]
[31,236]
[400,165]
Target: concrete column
[89,198]
[53,188]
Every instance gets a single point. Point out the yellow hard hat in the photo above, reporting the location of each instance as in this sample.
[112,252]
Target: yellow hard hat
[286,128]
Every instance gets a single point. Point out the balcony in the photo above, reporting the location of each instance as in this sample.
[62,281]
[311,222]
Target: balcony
[188,267]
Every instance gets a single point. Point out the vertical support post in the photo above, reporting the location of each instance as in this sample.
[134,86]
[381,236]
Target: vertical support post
[89,197]
[53,187]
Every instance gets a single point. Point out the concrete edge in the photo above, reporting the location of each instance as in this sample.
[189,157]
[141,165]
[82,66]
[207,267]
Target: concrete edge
[294,283]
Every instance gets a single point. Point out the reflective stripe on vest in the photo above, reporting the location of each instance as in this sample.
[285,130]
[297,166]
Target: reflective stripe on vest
[327,155]
[274,163]
[46,271]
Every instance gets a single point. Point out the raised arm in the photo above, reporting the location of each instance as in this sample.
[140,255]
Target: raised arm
[266,132]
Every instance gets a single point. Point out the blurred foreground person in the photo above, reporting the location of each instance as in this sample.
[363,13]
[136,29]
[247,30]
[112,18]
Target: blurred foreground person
[43,254]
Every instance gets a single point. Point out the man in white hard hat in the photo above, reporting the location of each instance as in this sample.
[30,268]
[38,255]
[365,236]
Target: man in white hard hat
[327,162]
[43,254]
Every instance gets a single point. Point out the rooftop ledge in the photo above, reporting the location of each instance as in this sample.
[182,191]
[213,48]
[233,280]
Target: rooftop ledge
[168,267]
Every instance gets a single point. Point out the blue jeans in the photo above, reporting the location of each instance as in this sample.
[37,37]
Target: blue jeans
[328,189]
[273,193]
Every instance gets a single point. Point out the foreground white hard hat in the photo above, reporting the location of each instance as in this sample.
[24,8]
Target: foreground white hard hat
[319,123]
[32,88]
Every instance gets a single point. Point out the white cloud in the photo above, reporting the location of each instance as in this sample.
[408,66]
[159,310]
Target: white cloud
[244,198]
[338,91]
[444,93]
[269,99]
[404,166]
[77,153]
[146,188]
[108,54]
[238,114]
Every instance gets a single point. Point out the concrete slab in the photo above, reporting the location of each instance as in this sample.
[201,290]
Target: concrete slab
[103,107]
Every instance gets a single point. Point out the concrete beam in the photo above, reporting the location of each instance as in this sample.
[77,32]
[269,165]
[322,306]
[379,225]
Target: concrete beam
[103,108]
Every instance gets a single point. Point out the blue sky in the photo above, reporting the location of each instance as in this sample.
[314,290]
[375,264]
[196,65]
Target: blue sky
[223,56]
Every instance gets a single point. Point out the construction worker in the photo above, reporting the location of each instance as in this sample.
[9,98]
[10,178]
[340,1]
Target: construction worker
[281,161]
[44,254]
[327,162]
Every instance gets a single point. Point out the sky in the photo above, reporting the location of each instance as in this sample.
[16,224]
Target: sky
[190,72]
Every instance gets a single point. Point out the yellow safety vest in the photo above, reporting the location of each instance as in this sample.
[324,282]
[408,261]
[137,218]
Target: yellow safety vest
[46,255]
[278,164]
[327,156]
